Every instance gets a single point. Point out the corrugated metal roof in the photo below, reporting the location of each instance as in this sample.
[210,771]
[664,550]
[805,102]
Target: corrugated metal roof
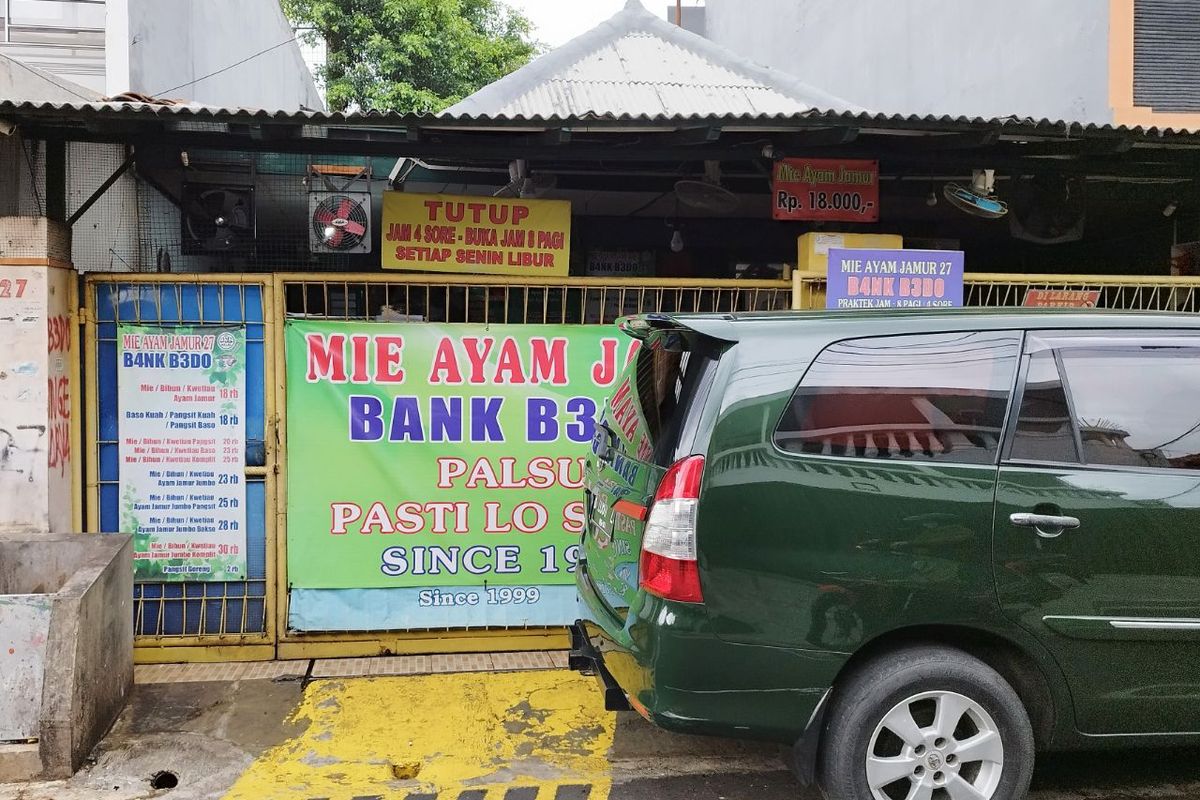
[193,114]
[20,81]
[635,63]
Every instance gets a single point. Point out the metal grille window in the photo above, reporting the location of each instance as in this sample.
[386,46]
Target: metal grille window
[1166,69]
[186,609]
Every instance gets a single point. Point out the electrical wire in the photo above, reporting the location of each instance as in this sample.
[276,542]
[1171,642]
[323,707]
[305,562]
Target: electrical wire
[226,69]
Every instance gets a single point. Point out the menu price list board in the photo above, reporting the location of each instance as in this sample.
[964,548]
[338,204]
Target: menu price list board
[826,189]
[181,397]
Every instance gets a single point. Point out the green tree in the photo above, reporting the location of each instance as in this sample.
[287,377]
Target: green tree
[412,55]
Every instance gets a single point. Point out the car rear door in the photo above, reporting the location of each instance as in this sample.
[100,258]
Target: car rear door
[862,503]
[1097,529]
[647,424]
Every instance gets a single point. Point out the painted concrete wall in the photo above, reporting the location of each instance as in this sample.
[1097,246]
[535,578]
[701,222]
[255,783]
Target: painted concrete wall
[154,46]
[960,57]
[24,383]
[37,368]
[61,354]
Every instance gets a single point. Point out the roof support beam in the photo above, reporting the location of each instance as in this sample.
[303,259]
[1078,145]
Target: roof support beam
[690,136]
[972,140]
[795,144]
[500,148]
[102,188]
[557,136]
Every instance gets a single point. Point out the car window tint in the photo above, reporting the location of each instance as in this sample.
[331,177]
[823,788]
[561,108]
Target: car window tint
[1136,406]
[929,397]
[1043,431]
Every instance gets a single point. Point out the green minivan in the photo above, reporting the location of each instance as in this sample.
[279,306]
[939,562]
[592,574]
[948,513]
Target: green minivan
[917,547]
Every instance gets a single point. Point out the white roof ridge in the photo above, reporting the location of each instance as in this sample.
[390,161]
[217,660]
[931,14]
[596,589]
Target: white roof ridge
[632,19]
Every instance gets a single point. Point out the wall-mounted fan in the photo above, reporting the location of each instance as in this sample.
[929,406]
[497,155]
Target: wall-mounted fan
[707,194]
[339,208]
[339,222]
[216,219]
[1047,209]
[979,198]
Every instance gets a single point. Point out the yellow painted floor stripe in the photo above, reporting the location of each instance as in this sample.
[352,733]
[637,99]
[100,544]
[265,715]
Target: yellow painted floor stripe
[440,735]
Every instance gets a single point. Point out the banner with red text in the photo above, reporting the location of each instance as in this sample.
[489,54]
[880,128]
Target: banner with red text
[825,189]
[482,235]
[445,461]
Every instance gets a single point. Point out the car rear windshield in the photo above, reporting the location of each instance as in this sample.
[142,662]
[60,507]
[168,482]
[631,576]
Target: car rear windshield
[649,407]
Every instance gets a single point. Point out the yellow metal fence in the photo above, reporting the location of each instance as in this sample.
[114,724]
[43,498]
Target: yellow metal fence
[983,289]
[177,621]
[219,622]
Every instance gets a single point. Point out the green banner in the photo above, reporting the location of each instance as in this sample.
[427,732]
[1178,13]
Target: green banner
[427,455]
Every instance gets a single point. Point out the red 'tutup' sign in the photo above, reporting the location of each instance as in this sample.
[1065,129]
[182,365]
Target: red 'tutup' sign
[825,189]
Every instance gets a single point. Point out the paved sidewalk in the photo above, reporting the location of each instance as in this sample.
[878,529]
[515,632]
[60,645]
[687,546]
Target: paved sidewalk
[498,726]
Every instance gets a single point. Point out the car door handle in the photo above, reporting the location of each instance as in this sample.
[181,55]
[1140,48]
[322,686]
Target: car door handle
[1047,525]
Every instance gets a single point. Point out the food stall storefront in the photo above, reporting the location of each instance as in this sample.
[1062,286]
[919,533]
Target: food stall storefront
[350,421]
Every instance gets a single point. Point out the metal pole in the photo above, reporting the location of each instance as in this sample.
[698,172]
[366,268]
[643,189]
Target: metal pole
[679,13]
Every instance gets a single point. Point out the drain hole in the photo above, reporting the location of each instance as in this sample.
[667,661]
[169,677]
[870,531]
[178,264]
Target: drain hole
[164,780]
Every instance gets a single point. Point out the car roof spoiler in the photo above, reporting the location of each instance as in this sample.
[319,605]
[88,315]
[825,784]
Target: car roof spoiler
[643,326]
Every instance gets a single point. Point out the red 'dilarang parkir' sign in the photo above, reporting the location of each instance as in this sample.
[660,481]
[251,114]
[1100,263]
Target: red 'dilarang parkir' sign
[833,189]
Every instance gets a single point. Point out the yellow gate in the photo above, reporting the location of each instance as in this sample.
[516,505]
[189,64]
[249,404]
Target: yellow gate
[188,620]
[246,620]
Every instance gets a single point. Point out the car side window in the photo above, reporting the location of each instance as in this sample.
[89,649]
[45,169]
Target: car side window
[1136,405]
[928,397]
[1044,431]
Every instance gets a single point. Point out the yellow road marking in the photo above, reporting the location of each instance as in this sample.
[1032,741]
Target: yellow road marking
[439,734]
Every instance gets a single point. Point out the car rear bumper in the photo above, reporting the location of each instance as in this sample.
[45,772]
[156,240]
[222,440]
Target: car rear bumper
[664,661]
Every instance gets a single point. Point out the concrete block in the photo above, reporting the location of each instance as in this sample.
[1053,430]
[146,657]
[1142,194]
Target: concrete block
[88,662]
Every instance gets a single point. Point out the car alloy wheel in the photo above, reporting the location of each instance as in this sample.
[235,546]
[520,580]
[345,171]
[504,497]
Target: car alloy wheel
[935,740]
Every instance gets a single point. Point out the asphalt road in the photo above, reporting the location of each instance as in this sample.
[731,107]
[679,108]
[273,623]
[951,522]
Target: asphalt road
[1118,775]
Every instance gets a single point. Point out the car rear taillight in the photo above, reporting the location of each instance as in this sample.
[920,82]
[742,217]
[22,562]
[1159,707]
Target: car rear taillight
[668,566]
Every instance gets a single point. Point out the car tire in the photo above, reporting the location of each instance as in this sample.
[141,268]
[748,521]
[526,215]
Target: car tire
[928,716]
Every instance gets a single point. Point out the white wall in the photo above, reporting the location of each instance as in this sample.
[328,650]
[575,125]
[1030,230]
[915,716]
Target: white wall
[1031,58]
[154,46]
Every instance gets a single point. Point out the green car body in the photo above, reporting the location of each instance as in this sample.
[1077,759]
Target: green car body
[811,562]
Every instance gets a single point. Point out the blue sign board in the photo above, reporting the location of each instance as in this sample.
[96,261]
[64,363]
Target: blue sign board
[894,278]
